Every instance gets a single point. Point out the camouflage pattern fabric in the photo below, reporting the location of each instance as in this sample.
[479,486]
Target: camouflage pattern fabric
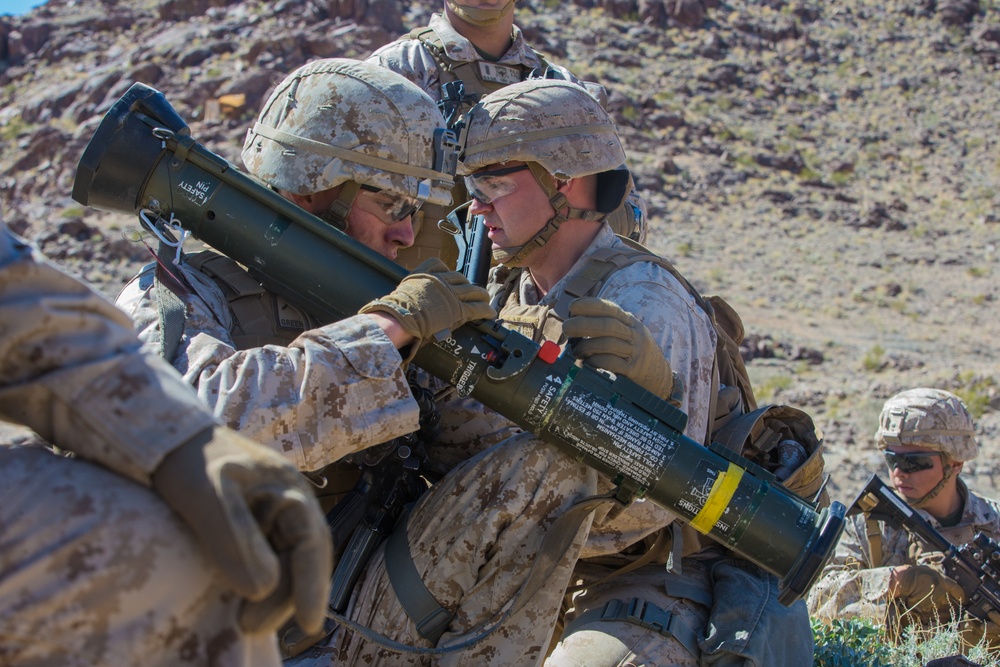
[931,418]
[473,538]
[550,122]
[333,391]
[659,301]
[73,371]
[410,57]
[850,587]
[355,107]
[94,568]
[474,534]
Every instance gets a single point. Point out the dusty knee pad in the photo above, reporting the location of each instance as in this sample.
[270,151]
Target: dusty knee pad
[618,643]
[589,647]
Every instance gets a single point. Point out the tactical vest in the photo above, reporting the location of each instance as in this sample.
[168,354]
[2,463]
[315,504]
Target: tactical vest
[480,77]
[260,317]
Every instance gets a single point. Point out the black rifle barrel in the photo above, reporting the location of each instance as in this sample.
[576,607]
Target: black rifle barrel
[975,566]
[142,157]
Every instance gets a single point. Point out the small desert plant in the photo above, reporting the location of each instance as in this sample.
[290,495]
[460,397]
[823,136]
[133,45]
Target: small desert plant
[771,385]
[858,642]
[873,359]
[849,643]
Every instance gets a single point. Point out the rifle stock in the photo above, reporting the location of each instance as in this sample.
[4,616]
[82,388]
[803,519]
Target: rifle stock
[143,158]
[975,566]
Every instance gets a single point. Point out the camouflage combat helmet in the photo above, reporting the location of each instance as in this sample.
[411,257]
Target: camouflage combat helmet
[931,418]
[478,15]
[561,132]
[338,120]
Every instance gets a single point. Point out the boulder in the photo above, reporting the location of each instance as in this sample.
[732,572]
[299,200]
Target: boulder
[690,13]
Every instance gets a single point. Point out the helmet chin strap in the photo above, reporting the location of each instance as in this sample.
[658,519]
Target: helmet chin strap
[336,215]
[516,255]
[479,16]
[949,472]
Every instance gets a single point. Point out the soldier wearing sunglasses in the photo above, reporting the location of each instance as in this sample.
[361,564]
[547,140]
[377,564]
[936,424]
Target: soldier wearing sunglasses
[883,573]
[353,144]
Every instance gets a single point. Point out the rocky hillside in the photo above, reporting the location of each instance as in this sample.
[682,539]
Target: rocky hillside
[830,167]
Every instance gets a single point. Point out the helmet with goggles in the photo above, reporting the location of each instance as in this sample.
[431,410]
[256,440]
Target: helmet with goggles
[559,131]
[931,418]
[480,16]
[338,121]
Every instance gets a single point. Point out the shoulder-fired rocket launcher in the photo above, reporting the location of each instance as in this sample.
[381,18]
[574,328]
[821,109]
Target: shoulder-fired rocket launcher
[142,157]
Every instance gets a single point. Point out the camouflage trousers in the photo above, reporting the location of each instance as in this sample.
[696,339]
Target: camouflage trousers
[728,613]
[96,570]
[473,539]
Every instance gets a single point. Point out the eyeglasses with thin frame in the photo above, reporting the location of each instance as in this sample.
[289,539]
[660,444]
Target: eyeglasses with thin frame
[488,186]
[910,461]
[387,207]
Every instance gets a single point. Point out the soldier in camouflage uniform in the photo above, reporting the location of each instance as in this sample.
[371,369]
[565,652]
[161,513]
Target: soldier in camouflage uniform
[574,280]
[146,549]
[353,144]
[473,537]
[881,572]
[478,44]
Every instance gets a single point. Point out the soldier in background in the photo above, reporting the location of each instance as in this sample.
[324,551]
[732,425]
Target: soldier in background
[171,540]
[882,572]
[477,44]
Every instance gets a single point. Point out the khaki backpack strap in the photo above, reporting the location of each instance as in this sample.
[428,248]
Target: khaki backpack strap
[170,307]
[874,531]
[600,266]
[749,426]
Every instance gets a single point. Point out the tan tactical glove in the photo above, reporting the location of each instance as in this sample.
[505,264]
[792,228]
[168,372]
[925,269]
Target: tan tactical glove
[976,632]
[257,519]
[433,300]
[925,590]
[605,336]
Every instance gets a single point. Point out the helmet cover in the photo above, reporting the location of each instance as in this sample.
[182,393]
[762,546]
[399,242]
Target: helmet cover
[338,120]
[931,418]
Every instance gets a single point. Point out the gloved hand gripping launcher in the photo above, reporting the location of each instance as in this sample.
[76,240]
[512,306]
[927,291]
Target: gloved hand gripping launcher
[143,157]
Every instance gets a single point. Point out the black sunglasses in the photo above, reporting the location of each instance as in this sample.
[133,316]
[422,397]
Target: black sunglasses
[911,461]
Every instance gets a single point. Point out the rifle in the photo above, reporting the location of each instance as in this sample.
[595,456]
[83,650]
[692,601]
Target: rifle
[474,248]
[142,158]
[975,566]
[364,518]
